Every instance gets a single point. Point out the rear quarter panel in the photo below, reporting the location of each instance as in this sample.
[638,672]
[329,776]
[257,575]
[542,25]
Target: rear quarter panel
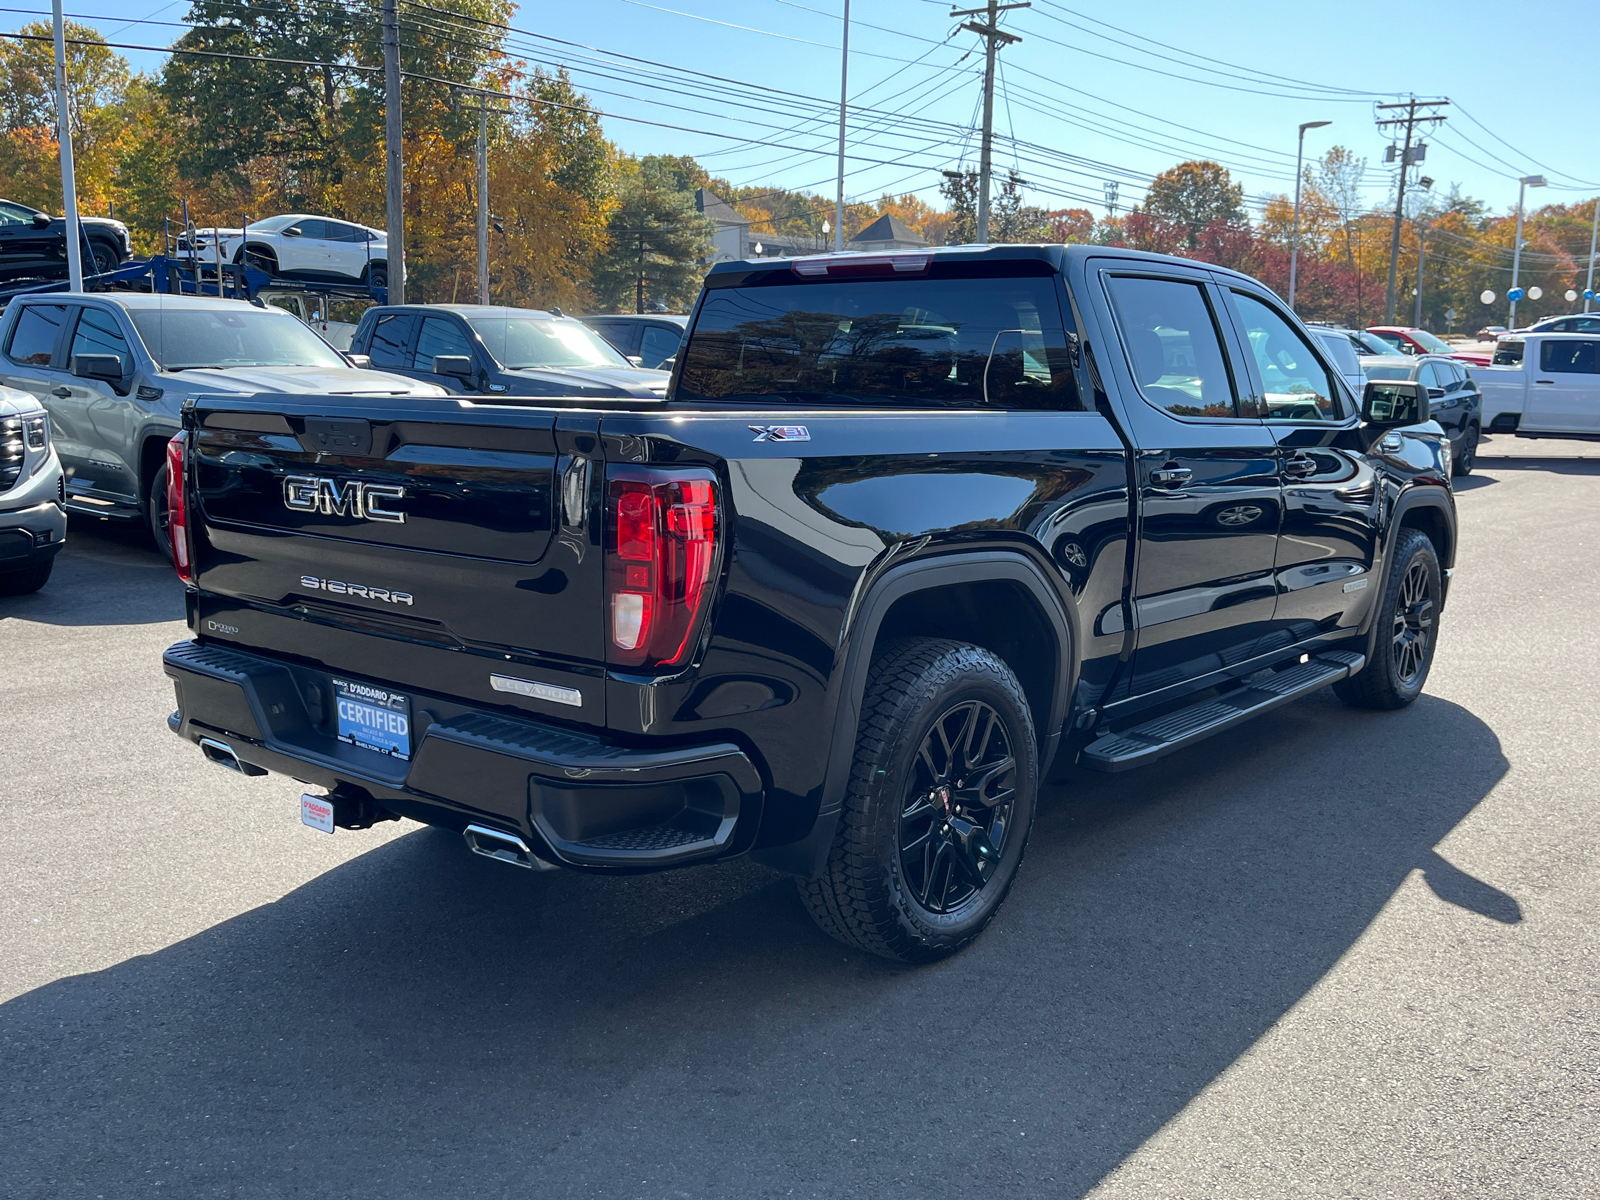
[812,524]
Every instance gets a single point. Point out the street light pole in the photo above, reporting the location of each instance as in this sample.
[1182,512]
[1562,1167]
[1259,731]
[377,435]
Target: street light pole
[1588,288]
[1294,237]
[844,91]
[1523,184]
[393,162]
[69,183]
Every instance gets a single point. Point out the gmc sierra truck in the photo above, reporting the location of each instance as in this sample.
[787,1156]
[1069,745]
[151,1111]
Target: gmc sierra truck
[906,529]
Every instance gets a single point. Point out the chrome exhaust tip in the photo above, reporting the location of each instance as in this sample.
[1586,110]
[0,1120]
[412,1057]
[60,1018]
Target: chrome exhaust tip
[503,847]
[224,756]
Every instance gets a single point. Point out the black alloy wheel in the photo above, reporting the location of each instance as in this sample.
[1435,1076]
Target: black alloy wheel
[261,260]
[1412,639]
[1467,456]
[954,825]
[1405,628]
[378,277]
[939,804]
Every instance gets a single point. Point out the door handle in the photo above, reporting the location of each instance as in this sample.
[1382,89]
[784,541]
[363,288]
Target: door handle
[1544,380]
[64,393]
[1300,464]
[1169,477]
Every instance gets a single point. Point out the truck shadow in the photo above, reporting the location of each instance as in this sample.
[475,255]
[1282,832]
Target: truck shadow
[418,1022]
[106,574]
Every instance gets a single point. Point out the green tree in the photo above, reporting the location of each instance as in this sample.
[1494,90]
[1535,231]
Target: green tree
[658,240]
[1194,195]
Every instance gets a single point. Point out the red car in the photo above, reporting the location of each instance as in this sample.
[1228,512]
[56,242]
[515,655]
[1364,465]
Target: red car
[1407,340]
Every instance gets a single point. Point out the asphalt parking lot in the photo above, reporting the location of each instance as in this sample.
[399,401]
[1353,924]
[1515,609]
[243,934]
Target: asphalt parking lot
[1336,953]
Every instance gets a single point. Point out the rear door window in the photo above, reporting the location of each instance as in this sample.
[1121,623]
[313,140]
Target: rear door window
[1508,353]
[1173,346]
[33,341]
[389,337]
[439,335]
[1563,357]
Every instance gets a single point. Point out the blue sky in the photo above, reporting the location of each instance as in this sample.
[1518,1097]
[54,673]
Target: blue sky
[1078,116]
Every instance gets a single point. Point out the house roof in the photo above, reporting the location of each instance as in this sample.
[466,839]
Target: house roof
[889,228]
[715,207]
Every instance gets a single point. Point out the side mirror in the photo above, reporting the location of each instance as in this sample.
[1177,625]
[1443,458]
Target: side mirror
[634,360]
[1435,393]
[359,360]
[458,366]
[97,366]
[42,220]
[1388,403]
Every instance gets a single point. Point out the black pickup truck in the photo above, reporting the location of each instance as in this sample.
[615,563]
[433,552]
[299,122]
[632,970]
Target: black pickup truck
[905,529]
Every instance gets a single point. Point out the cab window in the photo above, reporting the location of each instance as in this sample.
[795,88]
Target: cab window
[1295,384]
[439,336]
[98,333]
[1565,357]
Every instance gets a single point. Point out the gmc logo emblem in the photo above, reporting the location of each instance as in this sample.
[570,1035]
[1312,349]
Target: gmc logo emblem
[343,498]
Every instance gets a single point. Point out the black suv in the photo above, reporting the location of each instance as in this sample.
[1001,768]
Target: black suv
[906,530]
[33,244]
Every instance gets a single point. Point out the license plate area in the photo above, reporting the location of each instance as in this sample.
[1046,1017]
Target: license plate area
[373,718]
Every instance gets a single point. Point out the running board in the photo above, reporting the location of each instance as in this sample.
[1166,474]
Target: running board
[1159,737]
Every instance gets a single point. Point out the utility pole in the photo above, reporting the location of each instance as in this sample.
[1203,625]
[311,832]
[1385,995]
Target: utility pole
[69,182]
[1523,184]
[1594,232]
[482,106]
[1407,159]
[844,91]
[1422,262]
[994,37]
[638,293]
[393,163]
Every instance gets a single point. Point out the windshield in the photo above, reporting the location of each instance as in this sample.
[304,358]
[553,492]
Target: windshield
[955,342]
[519,342]
[1431,344]
[1398,371]
[186,338]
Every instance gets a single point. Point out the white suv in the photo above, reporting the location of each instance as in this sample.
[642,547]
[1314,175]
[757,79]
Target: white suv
[297,246]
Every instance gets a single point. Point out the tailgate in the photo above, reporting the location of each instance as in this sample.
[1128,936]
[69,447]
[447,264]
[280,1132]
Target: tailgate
[332,528]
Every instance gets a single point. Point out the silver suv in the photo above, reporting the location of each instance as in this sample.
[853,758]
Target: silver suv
[33,520]
[113,372]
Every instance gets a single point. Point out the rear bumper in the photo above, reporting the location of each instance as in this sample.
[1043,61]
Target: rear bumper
[577,799]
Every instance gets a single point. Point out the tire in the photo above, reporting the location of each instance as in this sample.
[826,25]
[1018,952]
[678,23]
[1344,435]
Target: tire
[261,260]
[106,258]
[29,579]
[377,276]
[1407,629]
[1468,454]
[877,890]
[155,513]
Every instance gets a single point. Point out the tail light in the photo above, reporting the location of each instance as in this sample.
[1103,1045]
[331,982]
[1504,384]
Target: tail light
[662,545]
[178,507]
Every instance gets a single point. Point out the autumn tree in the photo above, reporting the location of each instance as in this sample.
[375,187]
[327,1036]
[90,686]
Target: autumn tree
[1193,195]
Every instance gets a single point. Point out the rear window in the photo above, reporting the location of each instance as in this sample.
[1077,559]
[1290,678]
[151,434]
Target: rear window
[893,342]
[1341,352]
[1398,371]
[1508,353]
